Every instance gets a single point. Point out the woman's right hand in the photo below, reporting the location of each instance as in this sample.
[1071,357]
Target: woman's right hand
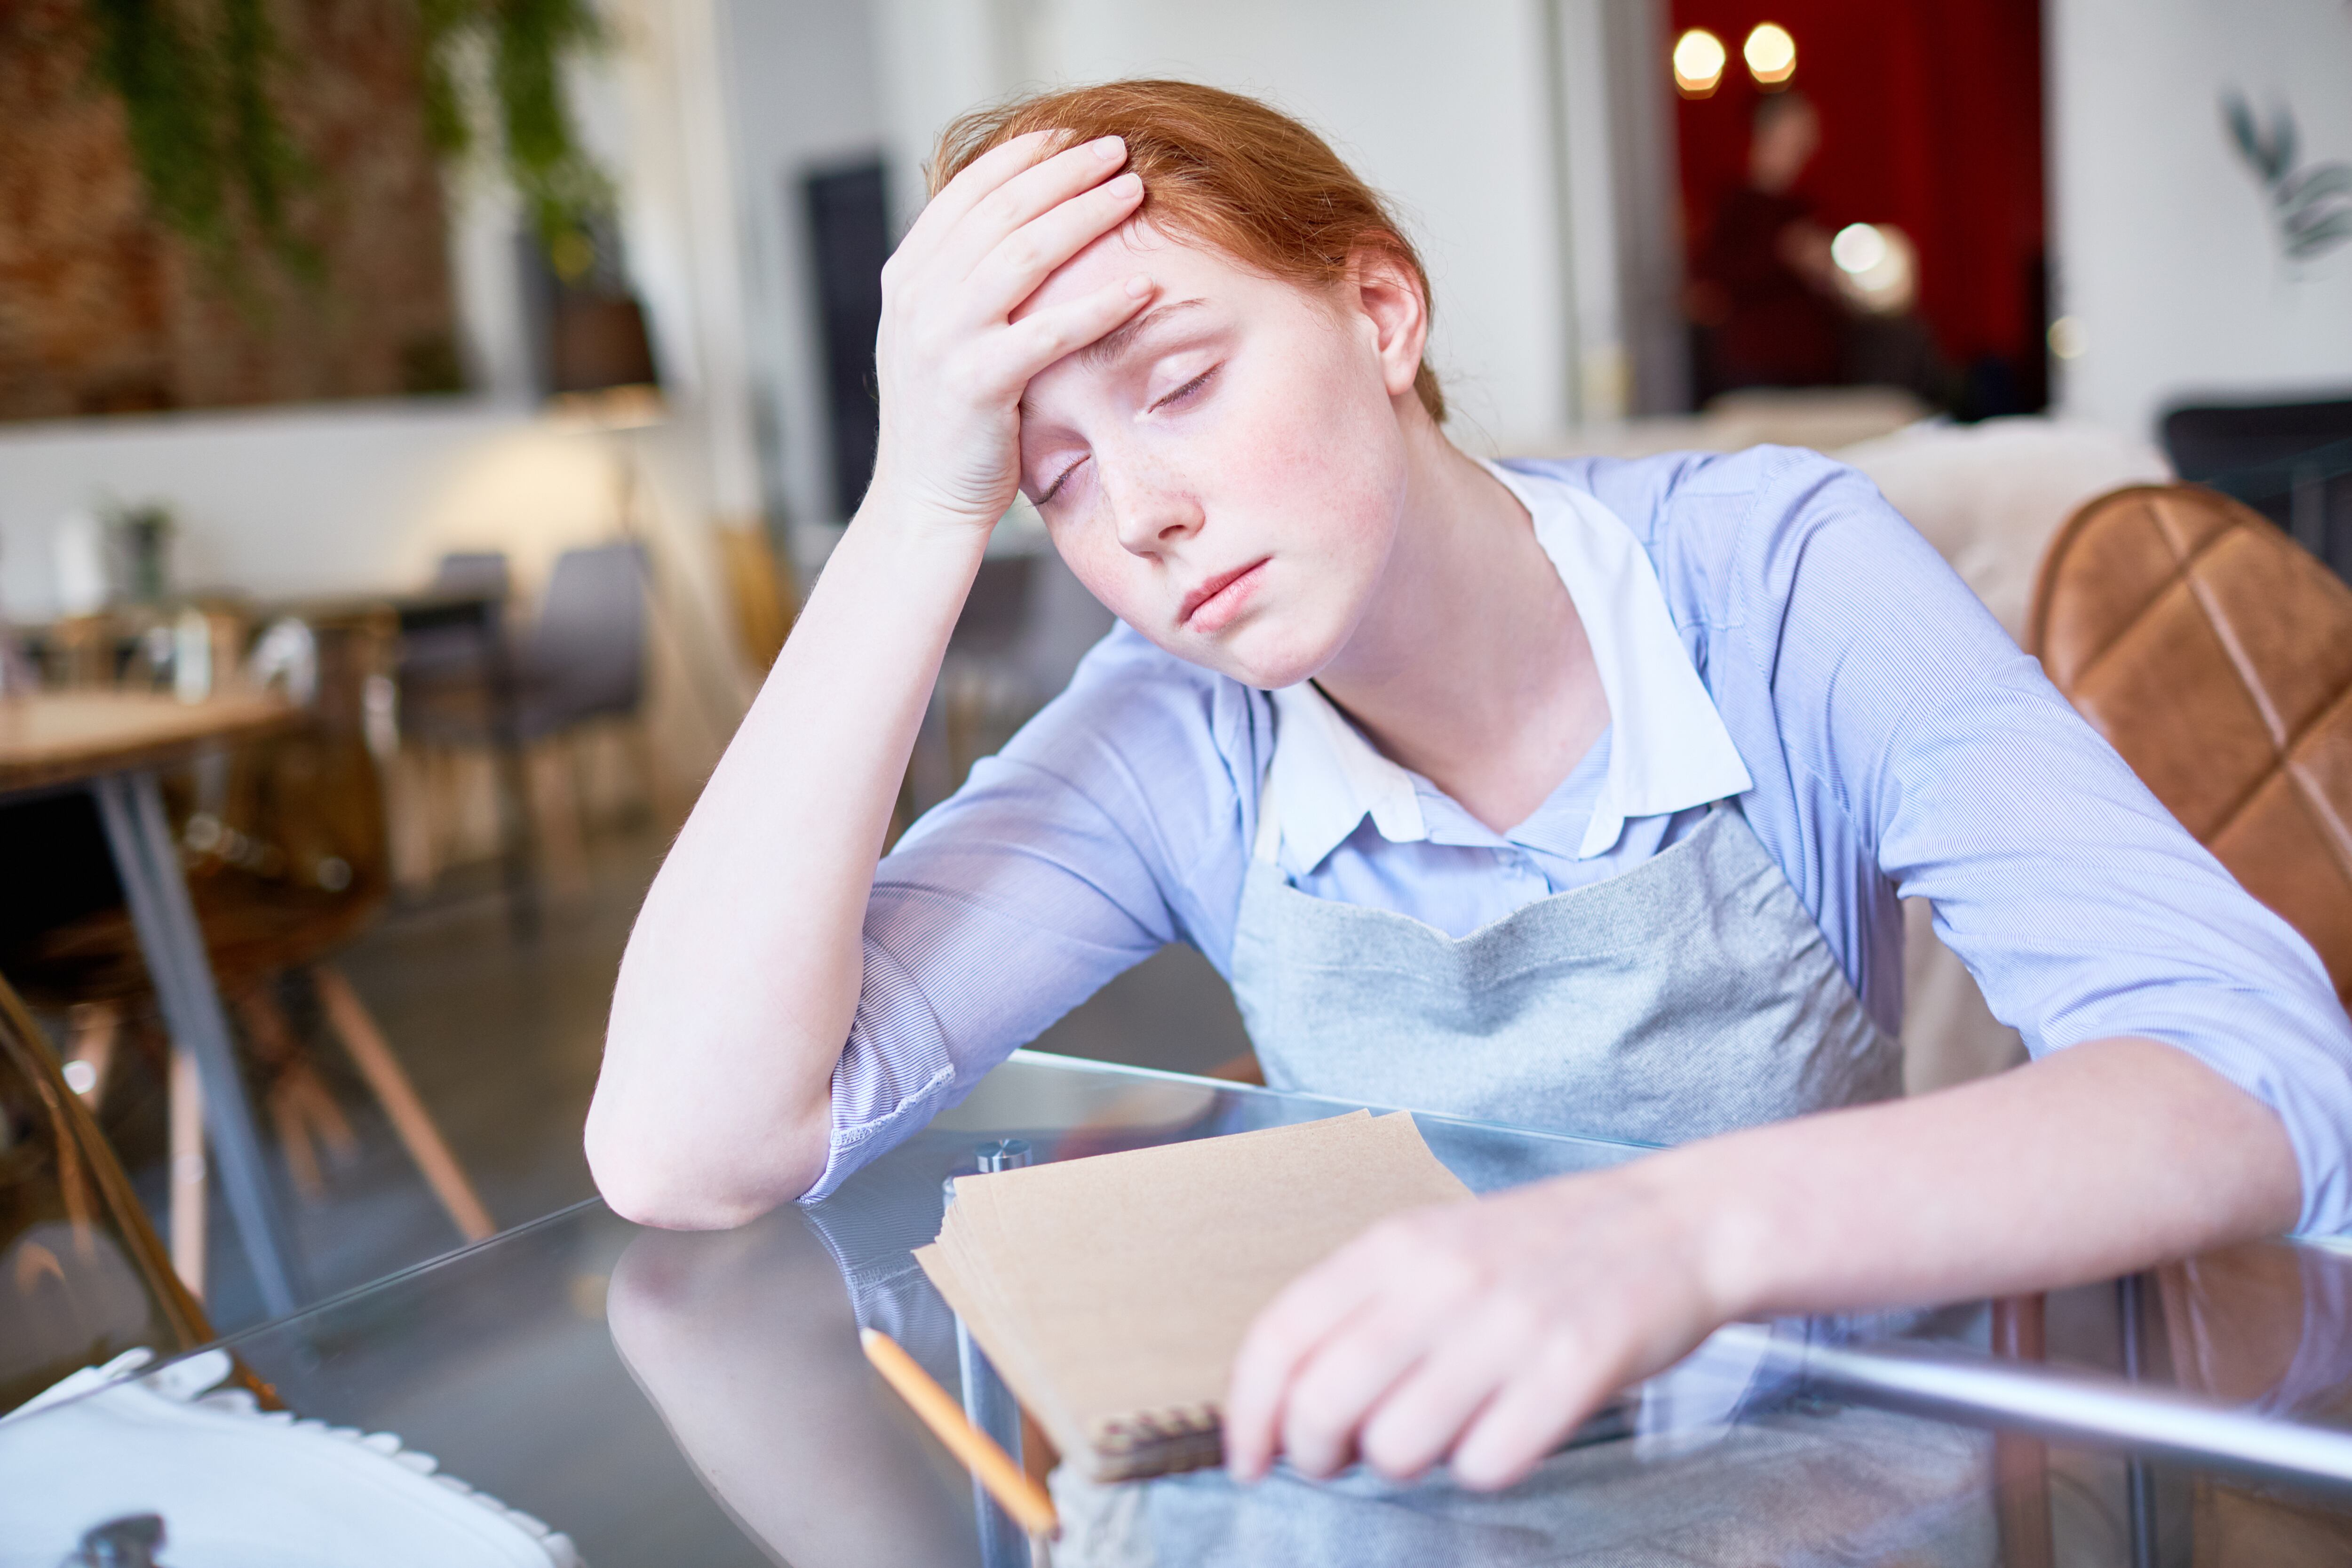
[951,362]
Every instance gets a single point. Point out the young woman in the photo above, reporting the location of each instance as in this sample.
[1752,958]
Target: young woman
[1577,795]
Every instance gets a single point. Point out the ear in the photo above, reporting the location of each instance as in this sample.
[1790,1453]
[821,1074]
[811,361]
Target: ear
[1390,298]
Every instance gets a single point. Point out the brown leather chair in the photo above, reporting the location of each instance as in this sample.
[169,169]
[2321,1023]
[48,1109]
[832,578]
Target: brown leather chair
[2215,655]
[83,1275]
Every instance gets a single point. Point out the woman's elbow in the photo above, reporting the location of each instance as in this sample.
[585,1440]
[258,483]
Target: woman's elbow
[676,1185]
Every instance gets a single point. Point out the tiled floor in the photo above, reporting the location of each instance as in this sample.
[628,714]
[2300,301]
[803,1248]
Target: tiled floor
[502,1039]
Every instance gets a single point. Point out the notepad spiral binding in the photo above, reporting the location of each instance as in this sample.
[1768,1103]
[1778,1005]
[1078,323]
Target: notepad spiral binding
[1159,1443]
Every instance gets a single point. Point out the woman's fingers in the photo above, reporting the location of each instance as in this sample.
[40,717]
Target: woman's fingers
[1358,1365]
[1284,1335]
[1028,194]
[978,180]
[1427,1412]
[1037,340]
[1535,1409]
[1024,259]
[1376,1267]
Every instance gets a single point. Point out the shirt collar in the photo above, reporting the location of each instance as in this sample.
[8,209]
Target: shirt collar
[1669,749]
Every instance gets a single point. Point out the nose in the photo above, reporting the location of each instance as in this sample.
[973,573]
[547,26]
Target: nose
[1150,508]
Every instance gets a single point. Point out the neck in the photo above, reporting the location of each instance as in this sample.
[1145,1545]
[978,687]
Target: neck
[1471,666]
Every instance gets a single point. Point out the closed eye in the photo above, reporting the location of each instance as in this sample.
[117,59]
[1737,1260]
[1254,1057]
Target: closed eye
[1059,481]
[1185,390]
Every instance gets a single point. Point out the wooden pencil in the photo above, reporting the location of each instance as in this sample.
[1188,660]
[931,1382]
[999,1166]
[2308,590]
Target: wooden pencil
[1020,1497]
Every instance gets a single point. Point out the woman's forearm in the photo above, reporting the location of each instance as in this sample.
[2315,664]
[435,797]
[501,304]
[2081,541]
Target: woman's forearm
[742,976]
[1485,1331]
[2092,1161]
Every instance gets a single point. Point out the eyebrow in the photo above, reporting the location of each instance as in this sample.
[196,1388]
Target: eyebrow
[1120,338]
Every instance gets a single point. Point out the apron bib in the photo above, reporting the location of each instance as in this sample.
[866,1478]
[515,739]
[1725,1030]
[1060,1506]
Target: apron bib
[1688,996]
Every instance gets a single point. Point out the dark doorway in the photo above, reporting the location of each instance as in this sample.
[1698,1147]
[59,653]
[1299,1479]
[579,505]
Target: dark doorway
[849,240]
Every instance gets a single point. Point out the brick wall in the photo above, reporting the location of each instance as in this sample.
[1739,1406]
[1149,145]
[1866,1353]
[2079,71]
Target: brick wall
[104,310]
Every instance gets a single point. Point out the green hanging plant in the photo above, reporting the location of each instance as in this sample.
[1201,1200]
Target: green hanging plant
[525,43]
[203,134]
[211,150]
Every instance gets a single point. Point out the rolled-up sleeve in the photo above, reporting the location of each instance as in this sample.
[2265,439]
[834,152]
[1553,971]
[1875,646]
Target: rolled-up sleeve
[2082,907]
[1110,826]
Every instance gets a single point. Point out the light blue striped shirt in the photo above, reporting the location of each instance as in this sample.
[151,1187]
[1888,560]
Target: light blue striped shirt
[1896,742]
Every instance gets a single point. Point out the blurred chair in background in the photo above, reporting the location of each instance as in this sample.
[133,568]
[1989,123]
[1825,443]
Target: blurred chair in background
[2289,461]
[454,653]
[760,585]
[584,663]
[981,685]
[83,1275]
[581,662]
[287,863]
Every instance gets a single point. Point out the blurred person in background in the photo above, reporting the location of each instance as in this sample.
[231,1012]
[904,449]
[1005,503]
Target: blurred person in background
[1768,295]
[1765,282]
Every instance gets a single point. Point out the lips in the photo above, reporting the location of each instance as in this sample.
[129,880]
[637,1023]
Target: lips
[1214,601]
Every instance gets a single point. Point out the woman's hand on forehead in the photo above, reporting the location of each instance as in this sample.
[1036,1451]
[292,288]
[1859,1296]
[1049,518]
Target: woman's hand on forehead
[950,360]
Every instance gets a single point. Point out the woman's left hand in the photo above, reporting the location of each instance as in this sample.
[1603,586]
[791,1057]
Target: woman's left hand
[1485,1331]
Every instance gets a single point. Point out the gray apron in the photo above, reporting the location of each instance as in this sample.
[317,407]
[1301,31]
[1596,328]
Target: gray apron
[1688,996]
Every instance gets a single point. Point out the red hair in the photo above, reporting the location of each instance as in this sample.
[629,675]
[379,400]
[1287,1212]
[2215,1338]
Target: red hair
[1220,169]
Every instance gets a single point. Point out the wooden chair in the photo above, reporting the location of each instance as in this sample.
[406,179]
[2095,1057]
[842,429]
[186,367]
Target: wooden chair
[83,1275]
[2216,655]
[289,863]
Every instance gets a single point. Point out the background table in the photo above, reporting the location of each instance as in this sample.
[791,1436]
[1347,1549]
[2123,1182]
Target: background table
[111,743]
[665,1397]
[479,617]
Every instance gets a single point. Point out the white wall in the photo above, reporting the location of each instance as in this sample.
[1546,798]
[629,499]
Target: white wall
[2162,237]
[314,500]
[803,90]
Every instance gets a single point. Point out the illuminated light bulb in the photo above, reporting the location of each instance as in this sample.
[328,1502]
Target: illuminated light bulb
[82,1077]
[1877,267]
[1699,60]
[1771,53]
[1858,247]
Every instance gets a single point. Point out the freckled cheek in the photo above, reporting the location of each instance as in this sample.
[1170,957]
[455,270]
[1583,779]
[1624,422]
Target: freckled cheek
[1318,501]
[1314,456]
[1120,579]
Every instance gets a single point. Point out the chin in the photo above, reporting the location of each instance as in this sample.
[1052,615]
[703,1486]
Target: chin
[1273,654]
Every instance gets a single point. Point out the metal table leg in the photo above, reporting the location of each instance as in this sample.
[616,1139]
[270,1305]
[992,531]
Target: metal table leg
[2139,1481]
[518,832]
[147,858]
[989,1405]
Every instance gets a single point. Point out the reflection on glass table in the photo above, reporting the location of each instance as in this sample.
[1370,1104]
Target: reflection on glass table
[669,1397]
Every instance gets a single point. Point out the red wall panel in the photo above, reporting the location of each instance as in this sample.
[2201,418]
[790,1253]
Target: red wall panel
[1931,120]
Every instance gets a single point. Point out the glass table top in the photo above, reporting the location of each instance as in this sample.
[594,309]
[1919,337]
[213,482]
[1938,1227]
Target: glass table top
[671,1398]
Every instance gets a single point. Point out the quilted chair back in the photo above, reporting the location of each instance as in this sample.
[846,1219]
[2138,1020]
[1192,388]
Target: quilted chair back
[2216,655]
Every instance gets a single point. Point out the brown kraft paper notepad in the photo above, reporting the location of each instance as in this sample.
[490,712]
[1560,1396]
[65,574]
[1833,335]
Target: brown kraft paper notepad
[1112,1292]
